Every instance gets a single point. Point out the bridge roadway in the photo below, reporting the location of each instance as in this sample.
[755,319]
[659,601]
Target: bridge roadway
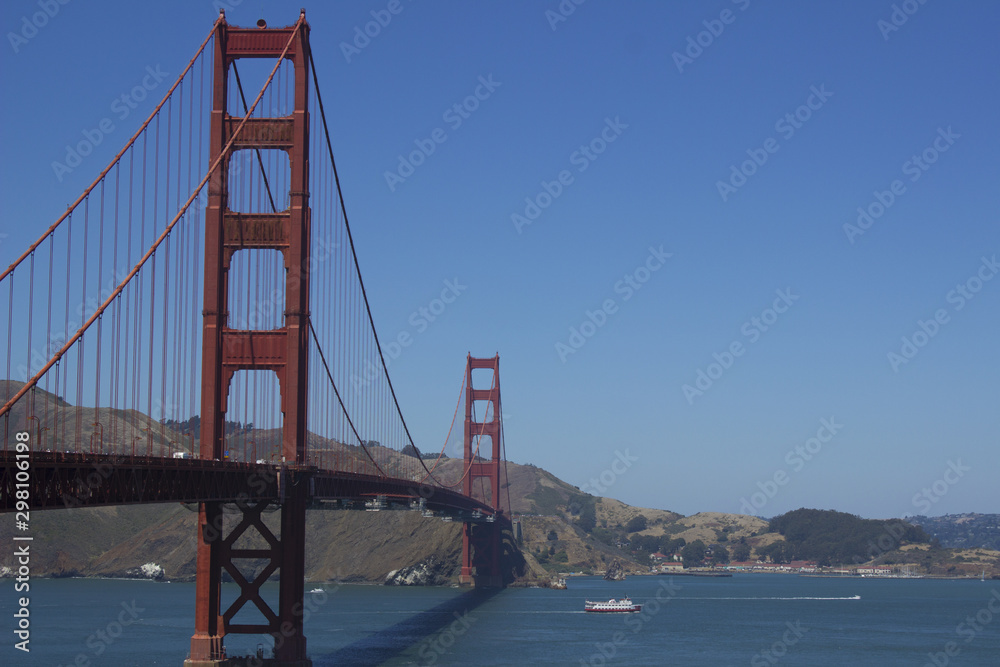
[59,480]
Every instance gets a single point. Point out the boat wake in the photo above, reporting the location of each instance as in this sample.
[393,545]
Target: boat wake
[853,597]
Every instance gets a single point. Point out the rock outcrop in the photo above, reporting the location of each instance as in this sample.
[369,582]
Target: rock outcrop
[615,571]
[146,571]
[431,572]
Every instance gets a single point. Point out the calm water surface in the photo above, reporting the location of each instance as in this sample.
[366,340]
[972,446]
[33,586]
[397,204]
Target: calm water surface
[742,620]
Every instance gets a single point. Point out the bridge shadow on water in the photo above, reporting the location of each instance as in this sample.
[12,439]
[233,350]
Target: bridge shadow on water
[386,644]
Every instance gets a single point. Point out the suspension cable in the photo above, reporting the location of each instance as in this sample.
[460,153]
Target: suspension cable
[114,161]
[364,294]
[350,238]
[450,428]
[322,357]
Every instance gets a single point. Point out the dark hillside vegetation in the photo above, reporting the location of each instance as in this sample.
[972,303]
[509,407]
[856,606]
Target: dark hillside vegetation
[829,537]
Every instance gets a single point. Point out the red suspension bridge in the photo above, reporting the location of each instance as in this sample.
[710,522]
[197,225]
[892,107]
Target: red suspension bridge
[116,392]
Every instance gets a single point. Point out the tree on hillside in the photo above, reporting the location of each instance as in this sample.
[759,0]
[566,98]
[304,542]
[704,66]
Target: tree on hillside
[693,553]
[777,552]
[603,535]
[588,517]
[636,524]
[671,545]
[741,552]
[720,554]
[644,545]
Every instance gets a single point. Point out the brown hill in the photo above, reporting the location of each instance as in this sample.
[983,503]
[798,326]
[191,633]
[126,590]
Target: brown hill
[561,528]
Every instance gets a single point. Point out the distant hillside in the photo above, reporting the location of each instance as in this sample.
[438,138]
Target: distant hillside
[962,531]
[562,528]
[340,545]
[348,545]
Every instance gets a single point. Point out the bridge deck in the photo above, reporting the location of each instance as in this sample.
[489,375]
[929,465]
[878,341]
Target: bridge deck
[62,480]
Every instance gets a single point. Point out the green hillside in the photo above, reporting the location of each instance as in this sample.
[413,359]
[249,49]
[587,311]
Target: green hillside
[832,538]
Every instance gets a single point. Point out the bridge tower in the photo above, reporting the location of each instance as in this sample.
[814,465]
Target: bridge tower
[482,542]
[283,351]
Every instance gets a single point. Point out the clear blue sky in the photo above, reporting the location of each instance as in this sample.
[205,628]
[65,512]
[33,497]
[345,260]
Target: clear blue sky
[678,128]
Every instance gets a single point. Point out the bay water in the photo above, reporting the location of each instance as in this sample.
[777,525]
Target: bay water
[747,619]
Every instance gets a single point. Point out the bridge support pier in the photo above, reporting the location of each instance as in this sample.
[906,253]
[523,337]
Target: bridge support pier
[289,640]
[206,643]
[481,548]
[481,542]
[219,550]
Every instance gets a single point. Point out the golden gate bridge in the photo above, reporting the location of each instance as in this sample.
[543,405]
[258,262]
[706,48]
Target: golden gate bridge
[117,392]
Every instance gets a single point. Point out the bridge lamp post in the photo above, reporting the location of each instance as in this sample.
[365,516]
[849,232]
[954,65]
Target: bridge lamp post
[100,439]
[134,438]
[149,440]
[38,433]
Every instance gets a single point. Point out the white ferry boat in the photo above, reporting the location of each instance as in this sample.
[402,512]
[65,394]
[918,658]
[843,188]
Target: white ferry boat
[624,605]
